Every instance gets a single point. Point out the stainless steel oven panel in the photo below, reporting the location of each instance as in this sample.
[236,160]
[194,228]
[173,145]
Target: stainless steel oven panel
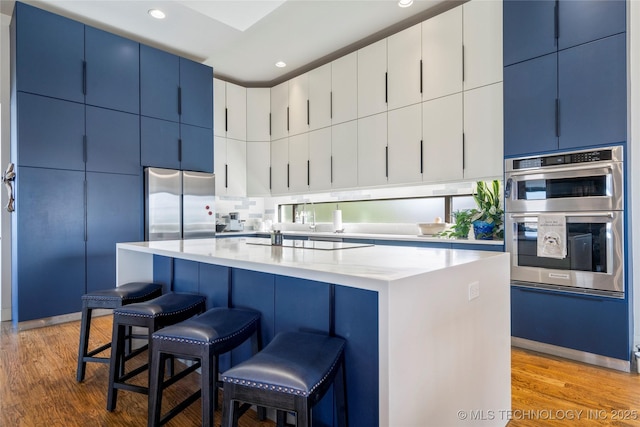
[616,157]
[609,283]
[612,201]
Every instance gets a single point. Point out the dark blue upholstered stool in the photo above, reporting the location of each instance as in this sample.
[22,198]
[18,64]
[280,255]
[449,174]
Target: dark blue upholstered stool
[292,373]
[201,339]
[128,293]
[154,314]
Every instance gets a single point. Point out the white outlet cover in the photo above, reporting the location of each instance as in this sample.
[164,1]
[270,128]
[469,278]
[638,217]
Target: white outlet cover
[474,290]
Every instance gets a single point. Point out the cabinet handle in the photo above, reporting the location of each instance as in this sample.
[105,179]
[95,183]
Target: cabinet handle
[386,88]
[269,178]
[287,175]
[421,158]
[556,22]
[308,172]
[179,101]
[86,228]
[226,175]
[386,161]
[180,150]
[84,148]
[463,150]
[84,77]
[331,105]
[421,76]
[287,119]
[269,124]
[331,169]
[557,117]
[226,119]
[463,63]
[308,113]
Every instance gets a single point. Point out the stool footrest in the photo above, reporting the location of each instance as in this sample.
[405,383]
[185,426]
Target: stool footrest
[133,373]
[181,407]
[98,350]
[132,387]
[96,359]
[180,375]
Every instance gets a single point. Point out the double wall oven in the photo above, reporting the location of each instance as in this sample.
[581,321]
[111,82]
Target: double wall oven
[583,192]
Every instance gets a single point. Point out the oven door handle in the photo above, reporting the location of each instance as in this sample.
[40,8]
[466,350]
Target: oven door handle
[602,169]
[572,214]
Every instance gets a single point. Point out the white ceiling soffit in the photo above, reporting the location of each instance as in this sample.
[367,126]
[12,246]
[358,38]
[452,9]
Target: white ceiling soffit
[243,39]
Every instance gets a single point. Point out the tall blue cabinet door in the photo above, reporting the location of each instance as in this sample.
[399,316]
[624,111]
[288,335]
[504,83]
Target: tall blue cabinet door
[529,30]
[48,246]
[159,84]
[197,148]
[587,20]
[112,71]
[530,91]
[593,93]
[113,141]
[50,52]
[159,143]
[196,83]
[114,215]
[50,132]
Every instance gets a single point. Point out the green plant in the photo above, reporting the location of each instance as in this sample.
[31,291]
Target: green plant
[487,198]
[460,229]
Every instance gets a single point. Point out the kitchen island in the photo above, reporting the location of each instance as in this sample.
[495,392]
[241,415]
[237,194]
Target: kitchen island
[428,329]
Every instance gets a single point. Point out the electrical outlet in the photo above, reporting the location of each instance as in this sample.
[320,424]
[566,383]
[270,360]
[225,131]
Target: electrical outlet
[474,290]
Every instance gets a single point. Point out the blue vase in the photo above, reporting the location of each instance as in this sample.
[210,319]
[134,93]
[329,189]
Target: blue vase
[483,230]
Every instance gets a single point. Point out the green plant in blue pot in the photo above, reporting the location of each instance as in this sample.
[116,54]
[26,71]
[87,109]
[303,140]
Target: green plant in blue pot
[487,218]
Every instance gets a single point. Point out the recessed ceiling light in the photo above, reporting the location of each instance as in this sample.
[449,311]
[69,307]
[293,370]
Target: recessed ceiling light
[405,3]
[280,64]
[157,13]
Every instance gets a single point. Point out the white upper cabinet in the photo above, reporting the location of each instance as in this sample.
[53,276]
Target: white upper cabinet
[220,162]
[299,163]
[344,155]
[280,111]
[372,79]
[442,54]
[258,113]
[482,39]
[280,166]
[299,104]
[442,139]
[320,97]
[344,88]
[405,144]
[230,166]
[373,166]
[404,67]
[320,159]
[483,132]
[258,168]
[230,110]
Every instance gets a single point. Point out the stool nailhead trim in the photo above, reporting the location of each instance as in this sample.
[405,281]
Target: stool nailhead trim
[198,342]
[121,313]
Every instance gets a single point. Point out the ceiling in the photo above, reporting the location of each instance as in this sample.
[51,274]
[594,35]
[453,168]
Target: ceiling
[243,39]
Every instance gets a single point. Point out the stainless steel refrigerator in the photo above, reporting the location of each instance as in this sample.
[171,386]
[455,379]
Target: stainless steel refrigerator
[179,204]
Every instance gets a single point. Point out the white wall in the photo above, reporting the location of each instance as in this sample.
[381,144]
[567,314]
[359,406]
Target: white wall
[5,217]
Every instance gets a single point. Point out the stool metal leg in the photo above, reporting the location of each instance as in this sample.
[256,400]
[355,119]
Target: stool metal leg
[340,393]
[208,387]
[116,365]
[156,385]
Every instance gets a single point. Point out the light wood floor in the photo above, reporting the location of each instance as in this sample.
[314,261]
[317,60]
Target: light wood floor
[38,388]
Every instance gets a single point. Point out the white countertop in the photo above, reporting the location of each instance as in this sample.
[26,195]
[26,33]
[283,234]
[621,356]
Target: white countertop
[356,264]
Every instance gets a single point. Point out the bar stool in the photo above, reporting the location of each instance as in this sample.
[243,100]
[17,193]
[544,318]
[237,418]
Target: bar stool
[128,293]
[292,373]
[154,314]
[200,339]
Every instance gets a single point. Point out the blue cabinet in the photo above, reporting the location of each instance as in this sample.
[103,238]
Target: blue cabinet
[176,90]
[591,324]
[107,194]
[49,133]
[530,93]
[48,243]
[564,75]
[48,54]
[112,141]
[112,67]
[592,93]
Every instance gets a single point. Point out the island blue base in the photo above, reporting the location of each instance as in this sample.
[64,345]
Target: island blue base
[289,304]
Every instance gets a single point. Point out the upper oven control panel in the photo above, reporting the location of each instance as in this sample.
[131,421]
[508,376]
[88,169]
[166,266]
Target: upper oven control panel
[599,155]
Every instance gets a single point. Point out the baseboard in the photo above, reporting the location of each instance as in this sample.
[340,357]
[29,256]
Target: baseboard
[56,320]
[568,353]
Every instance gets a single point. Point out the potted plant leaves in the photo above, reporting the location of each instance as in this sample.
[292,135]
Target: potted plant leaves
[488,216]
